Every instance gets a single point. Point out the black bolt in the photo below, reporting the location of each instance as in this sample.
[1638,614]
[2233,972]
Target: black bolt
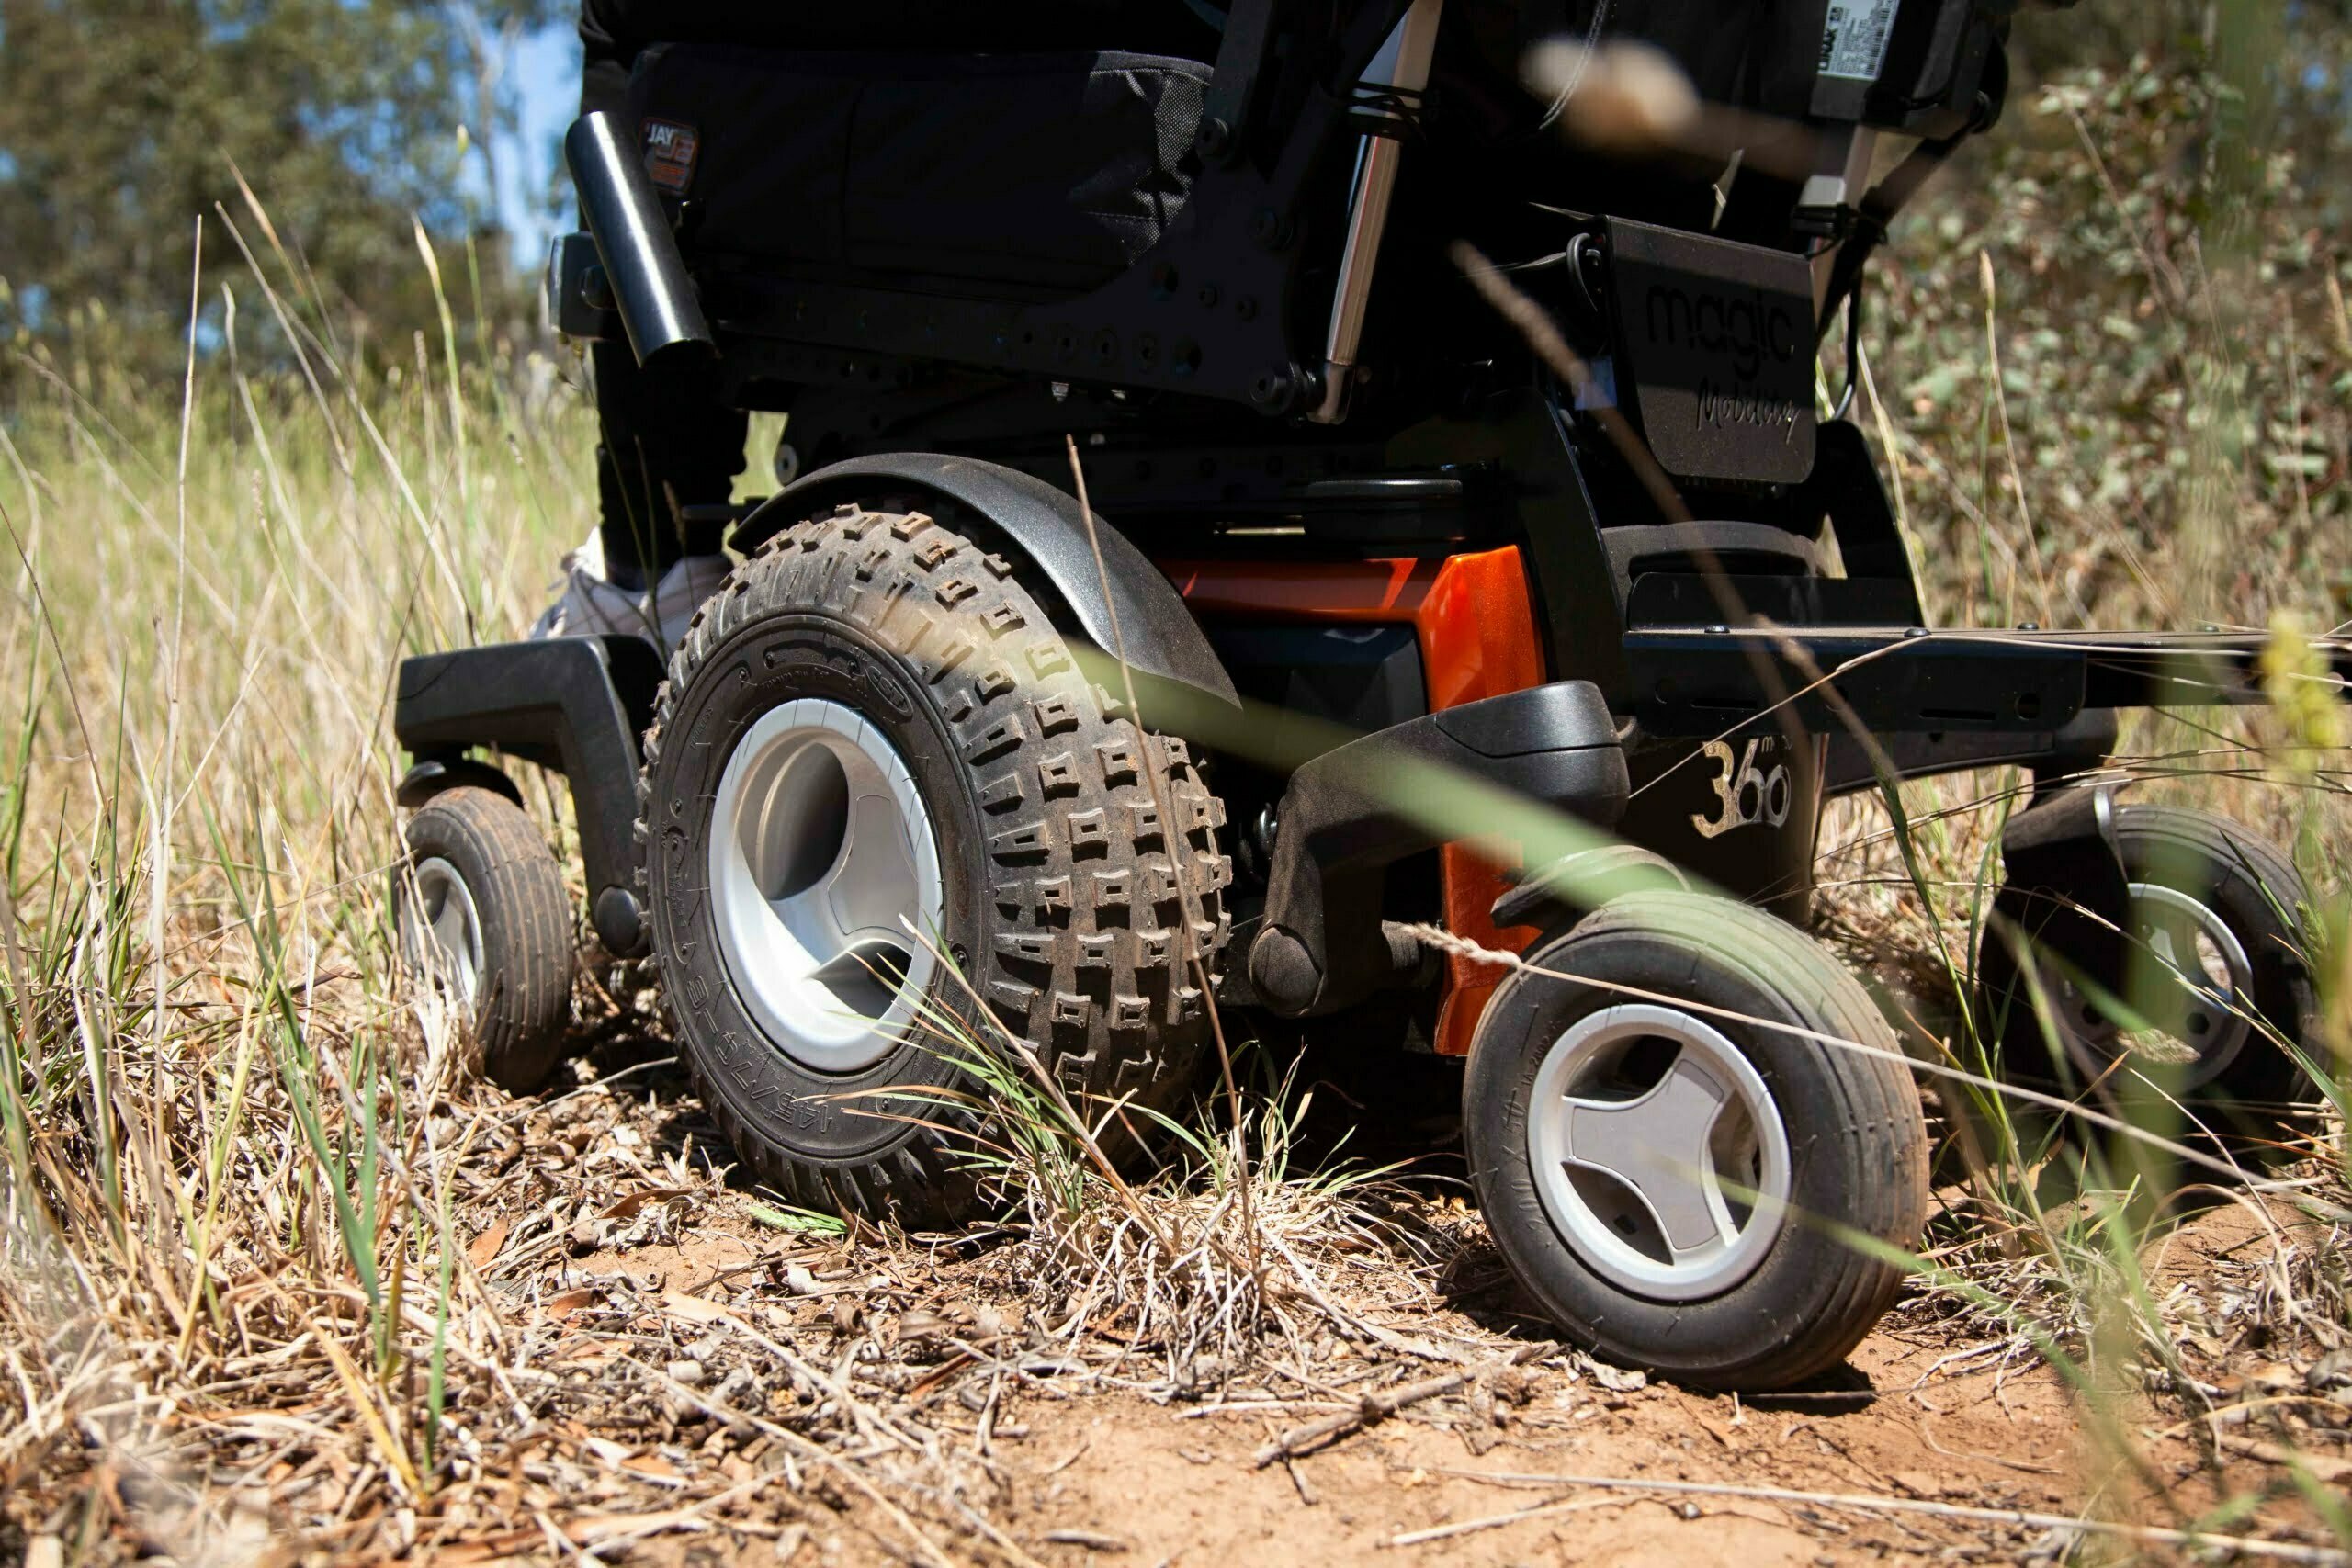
[1270,228]
[597,289]
[1212,138]
[1273,391]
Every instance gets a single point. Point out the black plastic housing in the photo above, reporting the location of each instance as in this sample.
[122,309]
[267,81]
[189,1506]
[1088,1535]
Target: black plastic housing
[1358,809]
[577,706]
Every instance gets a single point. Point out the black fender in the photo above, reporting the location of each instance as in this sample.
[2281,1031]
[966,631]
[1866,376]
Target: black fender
[431,775]
[2066,888]
[1045,525]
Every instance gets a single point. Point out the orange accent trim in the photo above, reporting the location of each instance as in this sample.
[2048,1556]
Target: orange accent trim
[1475,624]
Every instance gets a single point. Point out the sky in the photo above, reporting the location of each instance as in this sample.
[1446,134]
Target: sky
[547,80]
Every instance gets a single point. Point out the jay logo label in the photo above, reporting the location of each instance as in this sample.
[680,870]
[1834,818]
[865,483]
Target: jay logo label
[670,150]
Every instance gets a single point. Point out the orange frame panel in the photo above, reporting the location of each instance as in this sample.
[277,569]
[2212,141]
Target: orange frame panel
[1474,623]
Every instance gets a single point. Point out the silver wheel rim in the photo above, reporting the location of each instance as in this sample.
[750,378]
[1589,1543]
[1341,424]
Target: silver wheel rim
[445,929]
[825,885]
[1658,1152]
[2199,950]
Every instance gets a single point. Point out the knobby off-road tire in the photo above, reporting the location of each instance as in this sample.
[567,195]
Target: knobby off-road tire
[481,908]
[1784,1300]
[2189,871]
[1056,875]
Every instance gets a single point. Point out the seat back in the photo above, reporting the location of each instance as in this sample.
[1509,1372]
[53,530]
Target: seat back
[1038,174]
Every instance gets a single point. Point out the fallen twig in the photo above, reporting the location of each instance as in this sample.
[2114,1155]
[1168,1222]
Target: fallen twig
[2331,1471]
[2157,1535]
[1381,1405]
[1497,1521]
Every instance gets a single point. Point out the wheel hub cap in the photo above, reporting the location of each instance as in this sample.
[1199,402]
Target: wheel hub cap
[825,885]
[1658,1152]
[2198,1004]
[445,929]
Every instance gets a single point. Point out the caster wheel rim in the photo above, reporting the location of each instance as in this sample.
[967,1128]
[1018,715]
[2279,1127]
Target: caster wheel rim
[443,929]
[821,857]
[2189,939]
[1658,1152]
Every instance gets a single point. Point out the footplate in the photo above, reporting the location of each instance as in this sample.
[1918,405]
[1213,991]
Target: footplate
[1708,682]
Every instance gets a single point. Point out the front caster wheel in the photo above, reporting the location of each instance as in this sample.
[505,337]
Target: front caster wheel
[880,792]
[1681,1186]
[481,912]
[2215,964]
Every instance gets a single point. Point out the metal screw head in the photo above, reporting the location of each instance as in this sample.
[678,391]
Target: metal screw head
[1275,391]
[597,289]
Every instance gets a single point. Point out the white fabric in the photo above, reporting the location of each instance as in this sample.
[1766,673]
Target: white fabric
[592,606]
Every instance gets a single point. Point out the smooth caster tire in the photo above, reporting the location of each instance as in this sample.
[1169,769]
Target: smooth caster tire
[1677,1185]
[2218,965]
[481,909]
[879,793]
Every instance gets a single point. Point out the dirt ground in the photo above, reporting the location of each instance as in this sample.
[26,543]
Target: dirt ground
[1101,1473]
[663,1368]
[1951,1432]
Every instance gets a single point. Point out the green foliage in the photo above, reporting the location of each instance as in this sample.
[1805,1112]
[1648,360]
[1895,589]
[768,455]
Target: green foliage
[121,121]
[2157,292]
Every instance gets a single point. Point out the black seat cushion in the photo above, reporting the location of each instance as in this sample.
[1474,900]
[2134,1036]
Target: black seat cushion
[1044,173]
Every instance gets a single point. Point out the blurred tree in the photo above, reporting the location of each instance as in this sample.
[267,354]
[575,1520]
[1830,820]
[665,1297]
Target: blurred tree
[2289,64]
[121,120]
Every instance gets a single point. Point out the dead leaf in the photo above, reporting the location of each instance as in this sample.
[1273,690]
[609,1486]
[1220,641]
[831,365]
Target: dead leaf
[565,1303]
[1618,1379]
[694,1309]
[486,1245]
[917,1323]
[625,1206]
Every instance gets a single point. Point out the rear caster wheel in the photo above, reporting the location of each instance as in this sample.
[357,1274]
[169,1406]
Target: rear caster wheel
[2216,964]
[875,753]
[1671,1182]
[481,912]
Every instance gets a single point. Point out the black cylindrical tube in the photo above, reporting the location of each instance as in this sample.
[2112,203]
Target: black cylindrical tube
[650,289]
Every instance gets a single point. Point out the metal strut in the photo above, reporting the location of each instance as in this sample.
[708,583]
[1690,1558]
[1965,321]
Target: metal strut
[1395,77]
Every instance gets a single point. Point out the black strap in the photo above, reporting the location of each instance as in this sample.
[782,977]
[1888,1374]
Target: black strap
[1876,210]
